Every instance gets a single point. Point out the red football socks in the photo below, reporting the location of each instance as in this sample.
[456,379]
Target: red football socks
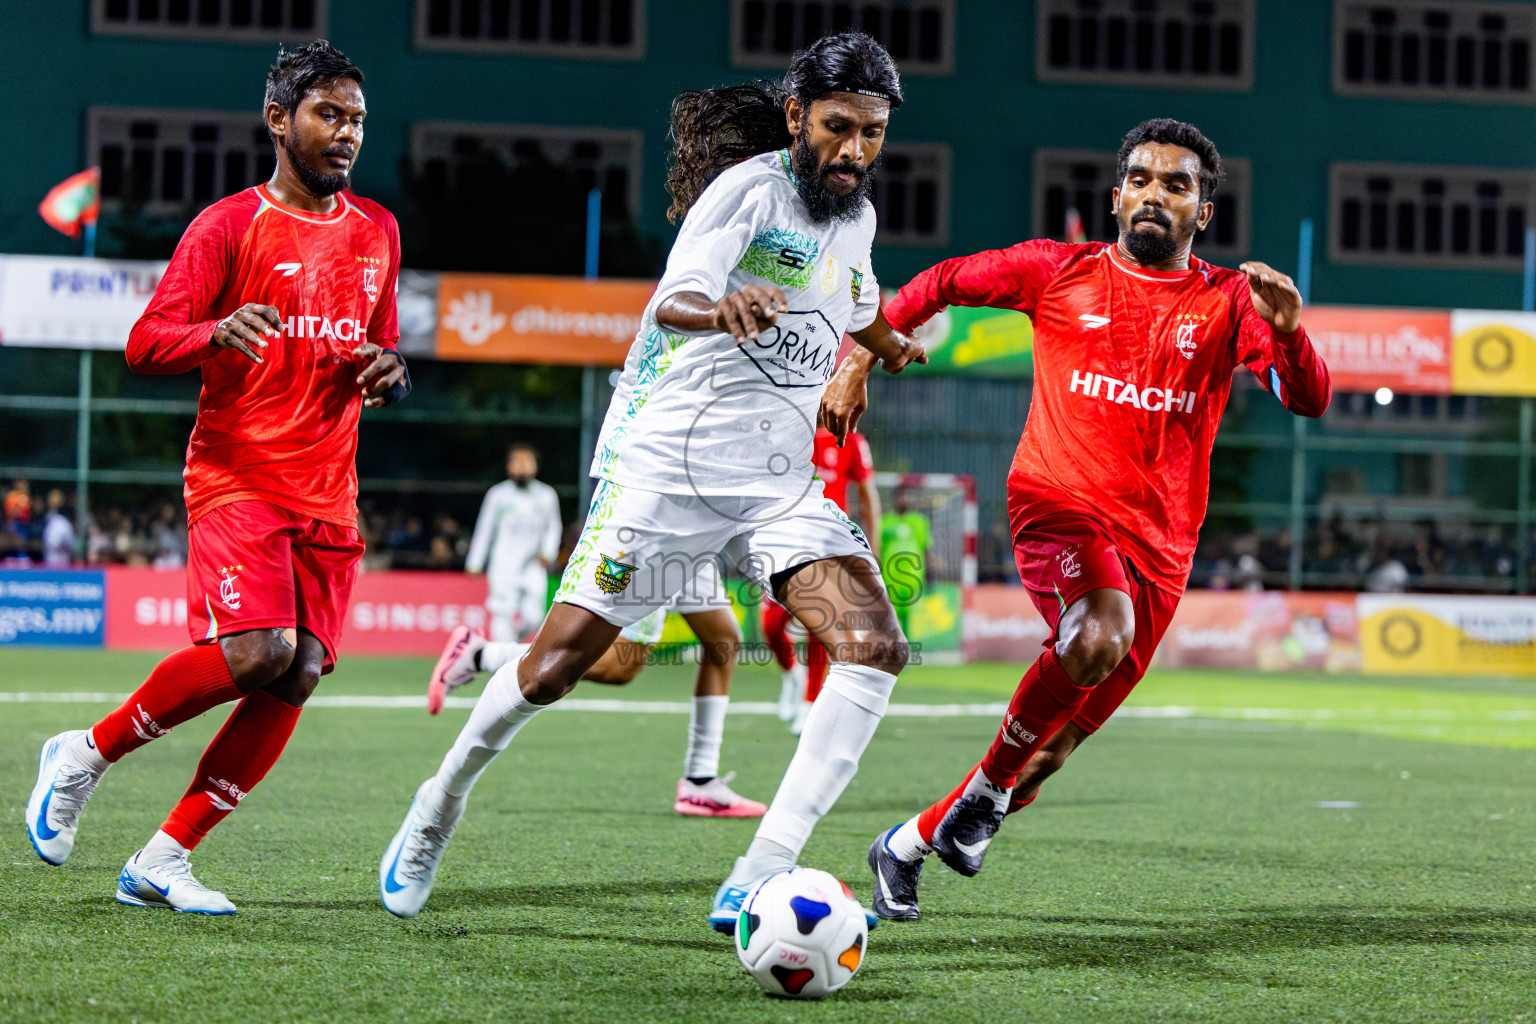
[1045,701]
[775,623]
[239,757]
[181,687]
[817,664]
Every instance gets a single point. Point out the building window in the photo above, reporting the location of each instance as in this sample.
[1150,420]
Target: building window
[1179,44]
[253,21]
[1418,49]
[911,195]
[596,157]
[919,34]
[1412,216]
[567,28]
[1082,180]
[176,161]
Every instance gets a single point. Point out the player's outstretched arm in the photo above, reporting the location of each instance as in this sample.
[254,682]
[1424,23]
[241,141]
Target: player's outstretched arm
[741,314]
[894,349]
[1274,296]
[1273,343]
[847,395]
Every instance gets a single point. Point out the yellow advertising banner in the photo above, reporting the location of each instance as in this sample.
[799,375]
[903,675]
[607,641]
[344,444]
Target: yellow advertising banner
[1404,634]
[1493,352]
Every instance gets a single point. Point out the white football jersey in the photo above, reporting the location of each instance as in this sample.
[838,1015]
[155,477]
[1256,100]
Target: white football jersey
[703,415]
[516,527]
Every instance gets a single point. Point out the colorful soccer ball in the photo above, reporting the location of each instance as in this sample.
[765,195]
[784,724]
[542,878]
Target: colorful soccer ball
[801,934]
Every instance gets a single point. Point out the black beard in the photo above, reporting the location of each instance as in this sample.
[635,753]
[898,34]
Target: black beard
[318,184]
[822,203]
[521,481]
[1150,246]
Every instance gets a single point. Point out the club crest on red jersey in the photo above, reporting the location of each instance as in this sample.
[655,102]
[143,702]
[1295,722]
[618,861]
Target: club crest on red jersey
[227,592]
[370,276]
[1184,333]
[1067,562]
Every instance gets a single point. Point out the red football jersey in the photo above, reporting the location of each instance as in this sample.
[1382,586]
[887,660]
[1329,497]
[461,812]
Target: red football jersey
[284,431]
[838,467]
[1132,372]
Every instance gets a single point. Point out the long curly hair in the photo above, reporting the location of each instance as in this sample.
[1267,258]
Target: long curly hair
[713,129]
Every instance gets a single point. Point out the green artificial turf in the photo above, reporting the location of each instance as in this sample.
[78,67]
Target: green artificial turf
[1180,869]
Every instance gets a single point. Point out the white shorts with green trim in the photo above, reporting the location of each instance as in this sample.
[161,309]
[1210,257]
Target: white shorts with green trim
[639,548]
[705,593]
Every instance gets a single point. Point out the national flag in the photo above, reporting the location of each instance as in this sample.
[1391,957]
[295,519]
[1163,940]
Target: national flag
[72,202]
[1075,231]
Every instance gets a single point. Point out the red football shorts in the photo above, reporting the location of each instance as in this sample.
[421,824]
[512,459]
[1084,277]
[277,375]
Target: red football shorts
[255,565]
[1063,556]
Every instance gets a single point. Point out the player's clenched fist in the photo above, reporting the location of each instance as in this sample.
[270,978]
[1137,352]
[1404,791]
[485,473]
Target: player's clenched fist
[247,329]
[743,314]
[383,369]
[1274,296]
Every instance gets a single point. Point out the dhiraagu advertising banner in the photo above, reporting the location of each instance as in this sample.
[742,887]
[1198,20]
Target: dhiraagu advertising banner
[1406,634]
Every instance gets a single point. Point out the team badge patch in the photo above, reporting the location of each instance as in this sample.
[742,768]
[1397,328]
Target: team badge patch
[1068,563]
[829,271]
[227,592]
[857,286]
[613,575]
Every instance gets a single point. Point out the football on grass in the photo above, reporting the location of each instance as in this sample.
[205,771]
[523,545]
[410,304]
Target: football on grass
[801,934]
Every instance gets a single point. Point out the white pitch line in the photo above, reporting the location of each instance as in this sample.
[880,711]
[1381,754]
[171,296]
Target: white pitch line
[993,710]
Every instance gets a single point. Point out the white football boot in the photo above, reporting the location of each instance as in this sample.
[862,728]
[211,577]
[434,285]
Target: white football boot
[163,878]
[410,862]
[58,798]
[457,665]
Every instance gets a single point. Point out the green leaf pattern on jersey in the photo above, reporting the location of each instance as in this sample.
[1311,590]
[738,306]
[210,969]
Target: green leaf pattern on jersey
[787,258]
[604,499]
[657,354]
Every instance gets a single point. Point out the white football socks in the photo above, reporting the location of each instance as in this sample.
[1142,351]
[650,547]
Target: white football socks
[706,729]
[906,842]
[498,715]
[981,786]
[83,752]
[162,843]
[839,727]
[495,656]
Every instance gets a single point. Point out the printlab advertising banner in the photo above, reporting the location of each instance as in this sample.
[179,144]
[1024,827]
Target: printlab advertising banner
[392,613]
[47,608]
[73,302]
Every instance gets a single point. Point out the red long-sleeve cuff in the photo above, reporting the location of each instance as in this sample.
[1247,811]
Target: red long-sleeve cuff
[1304,385]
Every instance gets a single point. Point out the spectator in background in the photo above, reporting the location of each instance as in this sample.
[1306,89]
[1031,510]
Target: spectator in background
[516,539]
[58,532]
[168,539]
[18,507]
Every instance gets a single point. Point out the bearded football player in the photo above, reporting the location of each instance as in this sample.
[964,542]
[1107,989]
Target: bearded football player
[1135,345]
[283,295]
